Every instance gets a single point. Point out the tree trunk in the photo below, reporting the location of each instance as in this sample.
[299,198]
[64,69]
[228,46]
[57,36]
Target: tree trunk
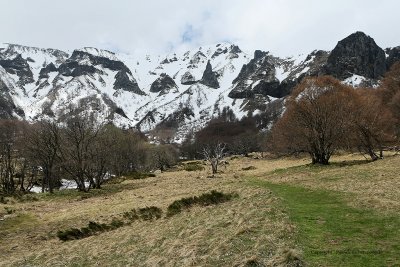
[372,154]
[214,167]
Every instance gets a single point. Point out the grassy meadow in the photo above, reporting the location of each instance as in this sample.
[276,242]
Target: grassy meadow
[285,213]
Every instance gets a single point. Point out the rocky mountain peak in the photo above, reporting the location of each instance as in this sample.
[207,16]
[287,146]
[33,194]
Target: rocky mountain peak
[393,55]
[18,66]
[182,90]
[357,54]
[163,85]
[210,78]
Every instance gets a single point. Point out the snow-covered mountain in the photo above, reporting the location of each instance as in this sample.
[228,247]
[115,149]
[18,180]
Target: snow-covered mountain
[179,91]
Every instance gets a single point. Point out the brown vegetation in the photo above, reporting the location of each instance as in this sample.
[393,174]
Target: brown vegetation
[324,115]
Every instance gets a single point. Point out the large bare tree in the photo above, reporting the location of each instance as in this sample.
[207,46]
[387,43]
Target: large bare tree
[316,120]
[78,143]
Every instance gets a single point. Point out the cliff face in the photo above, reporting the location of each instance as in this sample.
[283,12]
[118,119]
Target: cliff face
[357,54]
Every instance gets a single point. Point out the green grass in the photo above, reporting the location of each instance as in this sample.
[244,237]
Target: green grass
[331,233]
[17,222]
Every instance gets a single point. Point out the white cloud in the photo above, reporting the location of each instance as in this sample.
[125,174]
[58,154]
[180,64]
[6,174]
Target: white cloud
[284,27]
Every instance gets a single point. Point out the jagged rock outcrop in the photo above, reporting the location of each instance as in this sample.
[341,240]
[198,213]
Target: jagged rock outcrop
[188,79]
[163,84]
[197,58]
[83,63]
[44,72]
[356,54]
[18,66]
[126,82]
[220,51]
[74,69]
[169,60]
[8,110]
[210,78]
[106,61]
[257,77]
[393,56]
[174,90]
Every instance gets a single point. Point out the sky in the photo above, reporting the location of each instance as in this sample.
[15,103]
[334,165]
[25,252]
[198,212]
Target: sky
[283,27]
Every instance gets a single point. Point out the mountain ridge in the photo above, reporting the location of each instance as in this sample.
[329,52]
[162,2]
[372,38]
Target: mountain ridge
[181,92]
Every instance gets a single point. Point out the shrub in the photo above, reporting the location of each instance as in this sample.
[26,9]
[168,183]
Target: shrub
[96,227]
[145,214]
[115,223]
[150,213]
[190,167]
[131,215]
[70,234]
[249,168]
[206,199]
[91,229]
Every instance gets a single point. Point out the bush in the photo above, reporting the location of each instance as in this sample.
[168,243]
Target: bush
[131,215]
[91,229]
[249,168]
[70,234]
[195,166]
[145,214]
[115,223]
[206,199]
[150,213]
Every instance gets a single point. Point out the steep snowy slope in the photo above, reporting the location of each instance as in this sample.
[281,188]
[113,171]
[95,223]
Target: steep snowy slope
[201,82]
[180,91]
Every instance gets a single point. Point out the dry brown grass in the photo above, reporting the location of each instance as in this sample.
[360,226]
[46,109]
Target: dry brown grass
[223,235]
[251,228]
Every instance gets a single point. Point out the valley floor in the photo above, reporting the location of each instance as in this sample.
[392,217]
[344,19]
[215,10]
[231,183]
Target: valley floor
[287,213]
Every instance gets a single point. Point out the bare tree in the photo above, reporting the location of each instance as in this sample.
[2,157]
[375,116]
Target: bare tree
[213,154]
[10,135]
[43,149]
[373,123]
[316,120]
[78,140]
[389,91]
[100,154]
[162,157]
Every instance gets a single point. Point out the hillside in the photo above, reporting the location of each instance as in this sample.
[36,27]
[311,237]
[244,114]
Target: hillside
[181,91]
[286,213]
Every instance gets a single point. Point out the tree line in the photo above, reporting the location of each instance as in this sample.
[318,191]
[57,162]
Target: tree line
[321,116]
[46,152]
